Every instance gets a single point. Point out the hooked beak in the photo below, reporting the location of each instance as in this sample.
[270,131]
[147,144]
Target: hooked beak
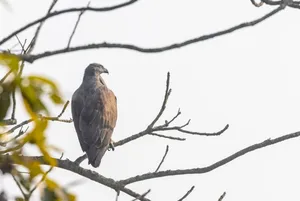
[106,71]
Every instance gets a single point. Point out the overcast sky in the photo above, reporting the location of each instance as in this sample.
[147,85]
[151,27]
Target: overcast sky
[248,79]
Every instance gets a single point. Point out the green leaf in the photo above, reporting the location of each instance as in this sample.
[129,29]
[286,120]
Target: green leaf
[10,60]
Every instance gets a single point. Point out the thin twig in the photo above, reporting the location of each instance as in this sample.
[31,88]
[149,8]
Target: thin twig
[13,112]
[42,179]
[222,196]
[21,132]
[57,118]
[175,117]
[6,75]
[70,10]
[187,194]
[142,196]
[20,187]
[32,58]
[163,158]
[17,126]
[179,128]
[163,107]
[64,109]
[168,137]
[76,24]
[117,195]
[37,31]
[8,122]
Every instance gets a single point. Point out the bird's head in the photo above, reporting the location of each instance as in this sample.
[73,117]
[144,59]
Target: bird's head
[95,68]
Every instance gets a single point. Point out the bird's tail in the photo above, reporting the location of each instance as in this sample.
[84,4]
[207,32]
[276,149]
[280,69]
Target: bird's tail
[95,155]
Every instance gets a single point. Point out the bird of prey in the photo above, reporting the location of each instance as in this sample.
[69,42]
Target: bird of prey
[94,111]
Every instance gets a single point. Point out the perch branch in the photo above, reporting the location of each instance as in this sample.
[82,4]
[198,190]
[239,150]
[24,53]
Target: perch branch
[120,185]
[92,175]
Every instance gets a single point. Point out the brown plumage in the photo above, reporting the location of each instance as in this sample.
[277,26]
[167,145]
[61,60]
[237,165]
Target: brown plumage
[94,111]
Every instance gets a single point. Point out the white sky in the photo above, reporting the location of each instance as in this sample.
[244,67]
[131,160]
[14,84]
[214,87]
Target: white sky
[248,79]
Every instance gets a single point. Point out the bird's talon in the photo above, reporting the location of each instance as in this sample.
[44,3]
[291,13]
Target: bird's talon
[111,146]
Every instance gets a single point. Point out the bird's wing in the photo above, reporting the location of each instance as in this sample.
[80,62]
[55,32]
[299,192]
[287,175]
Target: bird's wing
[98,117]
[77,105]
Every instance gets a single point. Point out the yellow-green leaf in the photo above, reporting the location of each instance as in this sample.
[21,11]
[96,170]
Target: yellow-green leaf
[10,60]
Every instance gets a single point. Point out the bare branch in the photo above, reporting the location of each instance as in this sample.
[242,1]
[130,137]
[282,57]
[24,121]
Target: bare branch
[31,58]
[56,13]
[5,76]
[150,130]
[17,126]
[37,31]
[64,109]
[92,175]
[187,193]
[117,195]
[163,159]
[163,107]
[209,168]
[8,122]
[222,196]
[120,185]
[57,118]
[179,128]
[13,112]
[42,179]
[143,195]
[76,24]
[21,132]
[19,186]
[175,117]
[168,137]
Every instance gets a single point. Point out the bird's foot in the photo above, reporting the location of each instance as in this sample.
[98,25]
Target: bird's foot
[111,146]
[80,159]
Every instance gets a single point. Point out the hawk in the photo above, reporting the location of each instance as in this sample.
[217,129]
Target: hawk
[94,111]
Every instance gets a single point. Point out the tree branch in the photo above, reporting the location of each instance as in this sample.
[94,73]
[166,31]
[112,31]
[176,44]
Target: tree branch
[75,27]
[143,195]
[163,159]
[70,10]
[57,118]
[187,193]
[209,168]
[31,58]
[37,31]
[120,185]
[151,129]
[222,196]
[92,175]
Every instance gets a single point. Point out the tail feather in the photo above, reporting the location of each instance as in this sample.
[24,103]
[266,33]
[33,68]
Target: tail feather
[95,155]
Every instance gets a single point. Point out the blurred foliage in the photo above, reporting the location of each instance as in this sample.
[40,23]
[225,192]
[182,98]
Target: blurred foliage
[34,91]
